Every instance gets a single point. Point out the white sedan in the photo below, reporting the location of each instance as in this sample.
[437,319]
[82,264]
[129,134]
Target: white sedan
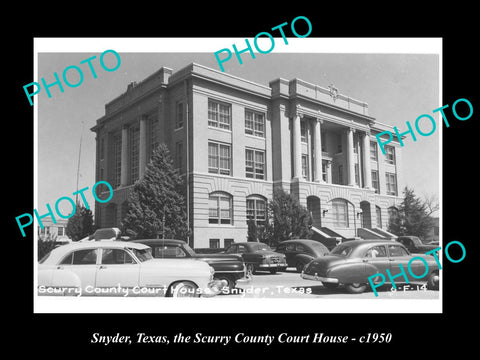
[116,268]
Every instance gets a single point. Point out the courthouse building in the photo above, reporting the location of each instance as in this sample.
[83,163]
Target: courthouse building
[236,141]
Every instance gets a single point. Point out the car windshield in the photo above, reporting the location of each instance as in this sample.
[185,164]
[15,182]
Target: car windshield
[342,250]
[143,254]
[260,247]
[416,240]
[47,255]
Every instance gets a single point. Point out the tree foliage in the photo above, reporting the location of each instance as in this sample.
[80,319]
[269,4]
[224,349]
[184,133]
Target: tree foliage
[286,219]
[413,216]
[80,224]
[157,206]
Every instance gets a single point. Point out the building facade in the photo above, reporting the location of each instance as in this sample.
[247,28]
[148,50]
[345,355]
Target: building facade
[236,141]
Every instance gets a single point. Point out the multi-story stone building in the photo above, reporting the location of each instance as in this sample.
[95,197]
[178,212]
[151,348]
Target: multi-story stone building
[236,140]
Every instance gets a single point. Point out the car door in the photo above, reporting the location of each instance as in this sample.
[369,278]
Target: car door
[398,255]
[377,257]
[290,252]
[117,268]
[82,264]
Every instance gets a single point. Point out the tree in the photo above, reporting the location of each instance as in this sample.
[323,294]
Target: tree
[287,219]
[413,216]
[80,224]
[156,206]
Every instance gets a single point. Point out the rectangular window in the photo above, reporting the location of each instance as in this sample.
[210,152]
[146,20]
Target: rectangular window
[303,131]
[373,151]
[324,170]
[134,137]
[179,154]
[179,115]
[357,174]
[219,115]
[355,144]
[375,181]
[255,164]
[340,174]
[220,209]
[324,141]
[379,216]
[153,132]
[219,158]
[390,155]
[214,243]
[339,139]
[61,231]
[117,160]
[254,123]
[305,169]
[391,182]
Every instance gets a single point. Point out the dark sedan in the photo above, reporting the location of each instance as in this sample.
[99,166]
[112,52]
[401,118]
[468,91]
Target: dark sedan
[300,252]
[352,262]
[227,267]
[415,245]
[258,256]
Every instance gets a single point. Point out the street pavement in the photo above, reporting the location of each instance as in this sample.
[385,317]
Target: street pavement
[289,284]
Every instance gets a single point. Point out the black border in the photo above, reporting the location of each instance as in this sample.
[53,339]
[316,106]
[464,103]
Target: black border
[423,333]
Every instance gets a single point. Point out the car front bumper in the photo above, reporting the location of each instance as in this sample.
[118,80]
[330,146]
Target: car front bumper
[278,265]
[319,278]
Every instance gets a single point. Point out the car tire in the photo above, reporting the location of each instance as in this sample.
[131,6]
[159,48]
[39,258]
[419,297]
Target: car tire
[183,289]
[273,271]
[330,285]
[299,267]
[250,269]
[433,281]
[355,288]
[230,283]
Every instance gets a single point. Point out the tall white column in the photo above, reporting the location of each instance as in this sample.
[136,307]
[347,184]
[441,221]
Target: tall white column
[142,156]
[350,163]
[367,171]
[297,148]
[318,151]
[124,161]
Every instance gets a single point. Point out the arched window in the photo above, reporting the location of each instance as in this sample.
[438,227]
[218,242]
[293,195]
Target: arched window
[257,209]
[340,212]
[392,213]
[220,208]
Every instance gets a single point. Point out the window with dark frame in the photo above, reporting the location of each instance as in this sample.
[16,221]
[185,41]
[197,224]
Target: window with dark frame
[179,115]
[373,151]
[220,208]
[214,243]
[219,158]
[254,123]
[117,160]
[303,131]
[134,137]
[256,210]
[255,164]
[305,167]
[219,115]
[375,181]
[391,183]
[340,213]
[390,155]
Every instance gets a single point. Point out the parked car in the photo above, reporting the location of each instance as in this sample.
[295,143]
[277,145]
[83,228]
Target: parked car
[258,256]
[228,267]
[415,245]
[299,252]
[100,267]
[351,264]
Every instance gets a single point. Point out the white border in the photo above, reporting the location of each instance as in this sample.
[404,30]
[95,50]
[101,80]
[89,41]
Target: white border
[44,304]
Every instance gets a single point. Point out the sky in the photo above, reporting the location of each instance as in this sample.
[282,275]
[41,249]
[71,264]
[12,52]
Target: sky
[398,87]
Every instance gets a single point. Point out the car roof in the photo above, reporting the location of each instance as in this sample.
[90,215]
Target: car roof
[60,251]
[158,241]
[302,241]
